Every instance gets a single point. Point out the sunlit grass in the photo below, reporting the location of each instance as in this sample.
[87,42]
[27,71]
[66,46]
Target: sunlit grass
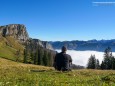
[8,48]
[19,74]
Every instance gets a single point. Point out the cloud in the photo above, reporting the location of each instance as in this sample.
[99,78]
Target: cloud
[81,57]
[103,3]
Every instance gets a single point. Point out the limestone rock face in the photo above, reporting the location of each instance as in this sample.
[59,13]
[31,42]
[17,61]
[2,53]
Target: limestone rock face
[43,44]
[18,31]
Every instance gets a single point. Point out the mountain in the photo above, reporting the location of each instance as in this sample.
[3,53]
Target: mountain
[96,45]
[43,44]
[13,41]
[17,31]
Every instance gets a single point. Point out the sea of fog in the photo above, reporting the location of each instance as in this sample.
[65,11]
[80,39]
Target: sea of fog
[81,57]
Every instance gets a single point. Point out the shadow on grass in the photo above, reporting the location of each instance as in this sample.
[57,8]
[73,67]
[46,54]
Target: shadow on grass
[8,59]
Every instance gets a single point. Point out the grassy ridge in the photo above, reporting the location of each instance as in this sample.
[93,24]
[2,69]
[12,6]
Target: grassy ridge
[8,48]
[19,74]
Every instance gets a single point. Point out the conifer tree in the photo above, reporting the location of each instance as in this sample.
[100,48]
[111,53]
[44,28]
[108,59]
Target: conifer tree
[113,63]
[45,58]
[17,55]
[91,62]
[102,65]
[107,58]
[25,56]
[36,57]
[41,55]
[97,64]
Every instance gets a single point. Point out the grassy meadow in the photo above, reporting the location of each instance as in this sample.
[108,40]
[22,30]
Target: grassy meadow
[19,74]
[8,48]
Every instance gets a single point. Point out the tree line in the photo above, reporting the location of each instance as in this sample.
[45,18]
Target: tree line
[107,63]
[35,54]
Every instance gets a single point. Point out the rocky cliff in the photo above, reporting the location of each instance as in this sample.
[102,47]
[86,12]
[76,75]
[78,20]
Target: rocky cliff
[33,43]
[17,31]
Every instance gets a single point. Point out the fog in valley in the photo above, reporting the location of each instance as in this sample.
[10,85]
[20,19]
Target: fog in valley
[81,57]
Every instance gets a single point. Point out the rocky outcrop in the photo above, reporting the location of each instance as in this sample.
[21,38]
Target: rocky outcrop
[36,42]
[47,45]
[18,31]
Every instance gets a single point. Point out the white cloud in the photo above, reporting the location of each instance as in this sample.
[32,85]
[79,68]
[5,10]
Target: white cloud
[103,3]
[81,57]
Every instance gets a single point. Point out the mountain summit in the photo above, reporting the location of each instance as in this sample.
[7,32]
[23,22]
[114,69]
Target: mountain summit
[17,31]
[14,39]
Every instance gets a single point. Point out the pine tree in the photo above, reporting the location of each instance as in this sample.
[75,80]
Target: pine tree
[25,56]
[113,63]
[26,53]
[32,55]
[91,62]
[45,58]
[41,54]
[49,59]
[39,57]
[17,55]
[107,58]
[97,64]
[52,58]
[36,58]
[102,65]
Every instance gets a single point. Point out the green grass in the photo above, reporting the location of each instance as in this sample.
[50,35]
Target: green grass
[19,74]
[9,50]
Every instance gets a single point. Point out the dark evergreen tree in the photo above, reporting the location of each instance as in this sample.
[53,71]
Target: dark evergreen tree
[107,58]
[36,58]
[39,59]
[113,63]
[25,56]
[49,59]
[102,65]
[32,55]
[18,53]
[41,55]
[91,62]
[45,58]
[97,66]
[37,54]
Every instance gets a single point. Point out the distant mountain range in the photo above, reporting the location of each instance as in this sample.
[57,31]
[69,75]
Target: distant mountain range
[95,45]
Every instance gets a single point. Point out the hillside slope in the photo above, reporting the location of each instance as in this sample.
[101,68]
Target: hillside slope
[9,47]
[19,74]
[13,40]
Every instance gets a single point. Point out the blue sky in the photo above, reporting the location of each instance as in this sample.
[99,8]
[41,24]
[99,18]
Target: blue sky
[61,19]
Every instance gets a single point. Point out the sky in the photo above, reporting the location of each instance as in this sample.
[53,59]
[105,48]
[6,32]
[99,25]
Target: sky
[60,20]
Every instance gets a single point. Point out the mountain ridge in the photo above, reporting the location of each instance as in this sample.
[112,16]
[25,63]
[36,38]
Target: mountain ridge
[13,40]
[19,32]
[96,45]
